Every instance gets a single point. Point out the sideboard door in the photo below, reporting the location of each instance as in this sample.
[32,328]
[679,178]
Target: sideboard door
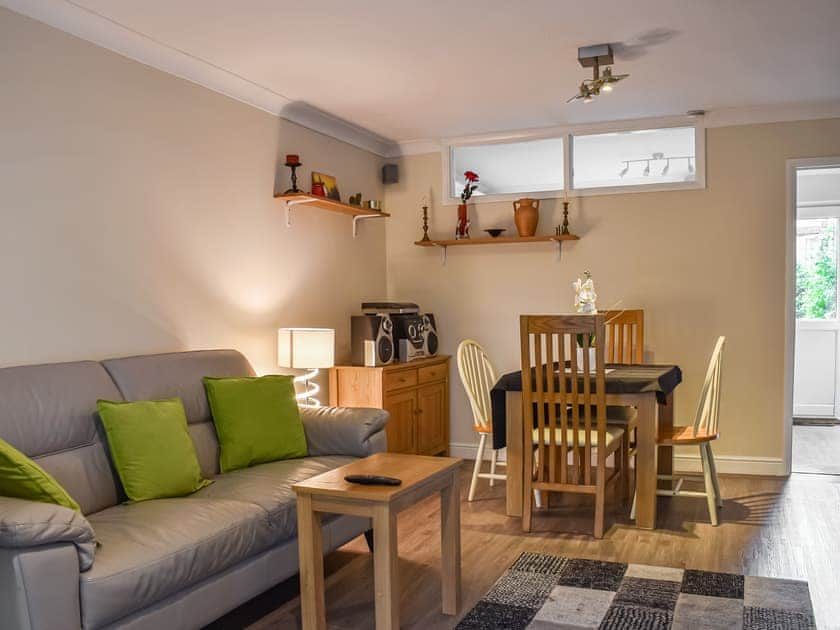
[402,427]
[432,419]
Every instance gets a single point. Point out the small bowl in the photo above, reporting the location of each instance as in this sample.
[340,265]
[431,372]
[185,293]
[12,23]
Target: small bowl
[495,232]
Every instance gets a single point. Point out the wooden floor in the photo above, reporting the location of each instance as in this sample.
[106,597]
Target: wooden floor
[770,527]
[816,449]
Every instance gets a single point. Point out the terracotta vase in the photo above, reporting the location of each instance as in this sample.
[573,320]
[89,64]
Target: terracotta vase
[526,215]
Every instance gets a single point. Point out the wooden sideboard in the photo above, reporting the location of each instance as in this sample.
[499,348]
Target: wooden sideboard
[416,394]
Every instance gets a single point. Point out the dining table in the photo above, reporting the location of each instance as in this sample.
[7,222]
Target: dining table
[647,388]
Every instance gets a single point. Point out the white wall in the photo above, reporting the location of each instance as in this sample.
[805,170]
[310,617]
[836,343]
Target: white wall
[136,213]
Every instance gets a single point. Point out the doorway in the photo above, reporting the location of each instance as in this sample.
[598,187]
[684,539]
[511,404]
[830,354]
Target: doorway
[816,369]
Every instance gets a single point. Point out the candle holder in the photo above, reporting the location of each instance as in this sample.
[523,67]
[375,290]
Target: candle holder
[294,167]
[425,224]
[564,228]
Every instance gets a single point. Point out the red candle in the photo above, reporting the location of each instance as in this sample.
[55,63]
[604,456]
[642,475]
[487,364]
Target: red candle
[292,158]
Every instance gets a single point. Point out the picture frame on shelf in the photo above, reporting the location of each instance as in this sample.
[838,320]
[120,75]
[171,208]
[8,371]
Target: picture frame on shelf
[329,184]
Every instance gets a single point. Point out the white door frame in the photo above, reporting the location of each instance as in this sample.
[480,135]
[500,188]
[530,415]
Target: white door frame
[790,287]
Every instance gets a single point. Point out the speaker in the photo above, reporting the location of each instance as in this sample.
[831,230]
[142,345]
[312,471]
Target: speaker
[415,336]
[371,340]
[390,174]
[430,337]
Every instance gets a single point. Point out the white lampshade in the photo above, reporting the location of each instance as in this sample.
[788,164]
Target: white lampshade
[306,348]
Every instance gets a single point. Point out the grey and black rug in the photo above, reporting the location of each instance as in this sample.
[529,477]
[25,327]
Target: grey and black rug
[552,592]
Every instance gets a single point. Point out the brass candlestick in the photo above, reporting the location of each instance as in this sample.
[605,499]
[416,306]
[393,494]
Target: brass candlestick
[564,229]
[425,224]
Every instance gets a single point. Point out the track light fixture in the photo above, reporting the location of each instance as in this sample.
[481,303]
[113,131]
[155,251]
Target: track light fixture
[594,57]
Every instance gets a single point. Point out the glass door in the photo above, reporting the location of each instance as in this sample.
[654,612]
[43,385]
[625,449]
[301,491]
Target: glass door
[815,392]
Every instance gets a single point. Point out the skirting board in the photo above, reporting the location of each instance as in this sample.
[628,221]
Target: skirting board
[726,464]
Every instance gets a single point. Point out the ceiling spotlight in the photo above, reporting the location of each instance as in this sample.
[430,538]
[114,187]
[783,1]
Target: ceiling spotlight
[623,171]
[594,57]
[646,172]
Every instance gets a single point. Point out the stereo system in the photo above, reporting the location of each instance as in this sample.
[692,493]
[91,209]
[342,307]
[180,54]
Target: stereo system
[392,331]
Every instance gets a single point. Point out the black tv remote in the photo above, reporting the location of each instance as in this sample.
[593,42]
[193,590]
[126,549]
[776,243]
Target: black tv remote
[373,480]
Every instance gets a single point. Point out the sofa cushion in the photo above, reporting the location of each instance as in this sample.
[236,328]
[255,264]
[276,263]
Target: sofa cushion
[48,412]
[179,374]
[151,448]
[22,478]
[152,549]
[257,420]
[176,375]
[270,487]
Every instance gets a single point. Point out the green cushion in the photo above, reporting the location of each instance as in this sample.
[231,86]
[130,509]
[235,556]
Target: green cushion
[22,478]
[257,420]
[151,448]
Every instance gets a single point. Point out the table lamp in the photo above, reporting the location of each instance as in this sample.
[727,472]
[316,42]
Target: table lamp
[309,349]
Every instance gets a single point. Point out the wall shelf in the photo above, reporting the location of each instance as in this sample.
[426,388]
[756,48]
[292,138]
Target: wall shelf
[500,240]
[313,201]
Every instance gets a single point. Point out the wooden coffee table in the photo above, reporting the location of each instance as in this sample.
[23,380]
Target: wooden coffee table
[422,477]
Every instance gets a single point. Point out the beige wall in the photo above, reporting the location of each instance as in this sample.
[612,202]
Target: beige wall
[701,263]
[137,212]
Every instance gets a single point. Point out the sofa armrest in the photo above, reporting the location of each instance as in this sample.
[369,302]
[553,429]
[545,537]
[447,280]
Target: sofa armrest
[39,588]
[352,431]
[27,524]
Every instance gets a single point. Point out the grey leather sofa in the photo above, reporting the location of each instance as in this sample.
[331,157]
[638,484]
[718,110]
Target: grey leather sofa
[168,563]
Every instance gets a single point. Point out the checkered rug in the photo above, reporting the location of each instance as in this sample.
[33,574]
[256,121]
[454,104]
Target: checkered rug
[552,592]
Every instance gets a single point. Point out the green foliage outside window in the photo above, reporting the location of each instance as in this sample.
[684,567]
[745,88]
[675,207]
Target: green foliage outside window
[816,282]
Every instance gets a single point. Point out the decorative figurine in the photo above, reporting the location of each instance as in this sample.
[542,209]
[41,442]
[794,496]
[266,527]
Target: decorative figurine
[293,162]
[355,200]
[462,228]
[585,295]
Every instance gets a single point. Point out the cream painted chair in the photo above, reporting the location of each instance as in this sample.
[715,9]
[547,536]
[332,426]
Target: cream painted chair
[478,377]
[702,433]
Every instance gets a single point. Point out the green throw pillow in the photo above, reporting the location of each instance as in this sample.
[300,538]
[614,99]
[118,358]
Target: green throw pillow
[151,447]
[257,420]
[22,478]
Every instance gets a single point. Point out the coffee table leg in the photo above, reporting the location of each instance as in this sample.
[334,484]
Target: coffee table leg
[385,569]
[450,544]
[311,553]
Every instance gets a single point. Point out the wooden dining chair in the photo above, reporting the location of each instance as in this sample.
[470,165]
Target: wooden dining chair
[702,433]
[624,344]
[570,408]
[625,336]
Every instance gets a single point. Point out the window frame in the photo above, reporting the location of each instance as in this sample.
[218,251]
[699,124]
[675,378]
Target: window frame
[567,133]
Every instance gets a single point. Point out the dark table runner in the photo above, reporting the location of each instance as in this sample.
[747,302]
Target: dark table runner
[623,379]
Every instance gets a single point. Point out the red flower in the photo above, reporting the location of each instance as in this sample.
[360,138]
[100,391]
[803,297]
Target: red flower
[470,176]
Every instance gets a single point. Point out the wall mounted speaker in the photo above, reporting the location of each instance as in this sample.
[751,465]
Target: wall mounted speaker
[390,174]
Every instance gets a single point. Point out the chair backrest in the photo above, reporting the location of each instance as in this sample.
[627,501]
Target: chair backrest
[625,340]
[708,409]
[558,395]
[478,378]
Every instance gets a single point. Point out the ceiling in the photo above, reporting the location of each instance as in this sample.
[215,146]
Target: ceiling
[432,69]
